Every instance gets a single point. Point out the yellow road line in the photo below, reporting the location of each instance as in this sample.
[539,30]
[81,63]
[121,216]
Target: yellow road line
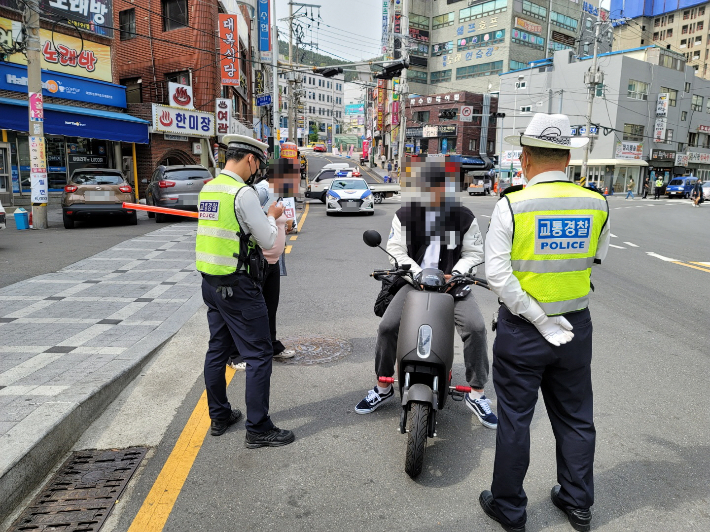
[303,217]
[157,506]
[705,264]
[288,249]
[692,266]
[294,237]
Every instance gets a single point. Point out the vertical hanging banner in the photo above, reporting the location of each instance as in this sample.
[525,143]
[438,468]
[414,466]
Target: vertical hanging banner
[381,104]
[264,31]
[223,115]
[385,25]
[38,170]
[229,56]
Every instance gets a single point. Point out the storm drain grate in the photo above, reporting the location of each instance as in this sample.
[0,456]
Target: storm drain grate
[82,493]
[316,349]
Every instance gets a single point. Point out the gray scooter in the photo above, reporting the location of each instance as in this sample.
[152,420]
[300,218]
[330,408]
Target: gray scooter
[425,351]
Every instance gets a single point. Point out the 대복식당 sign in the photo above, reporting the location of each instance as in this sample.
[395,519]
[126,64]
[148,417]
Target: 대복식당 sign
[182,121]
[527,25]
[228,50]
[629,150]
[560,234]
[14,78]
[264,33]
[223,115]
[63,53]
[662,104]
[95,16]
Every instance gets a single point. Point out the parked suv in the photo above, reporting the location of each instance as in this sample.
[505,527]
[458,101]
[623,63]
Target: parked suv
[95,192]
[176,187]
[681,187]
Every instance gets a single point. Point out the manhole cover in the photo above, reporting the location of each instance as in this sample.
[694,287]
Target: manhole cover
[82,493]
[316,349]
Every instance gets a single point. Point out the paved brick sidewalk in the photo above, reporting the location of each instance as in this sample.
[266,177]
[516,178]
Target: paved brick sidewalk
[70,341]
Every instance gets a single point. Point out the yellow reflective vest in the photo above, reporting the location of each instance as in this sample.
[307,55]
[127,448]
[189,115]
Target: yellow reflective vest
[555,236]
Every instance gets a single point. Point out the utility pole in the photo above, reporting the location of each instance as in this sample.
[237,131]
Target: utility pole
[38,156]
[332,113]
[275,79]
[291,75]
[404,31]
[592,81]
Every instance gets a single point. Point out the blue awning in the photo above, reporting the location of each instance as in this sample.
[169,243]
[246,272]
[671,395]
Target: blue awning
[76,122]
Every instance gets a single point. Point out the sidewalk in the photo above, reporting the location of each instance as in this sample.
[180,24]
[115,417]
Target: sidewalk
[73,339]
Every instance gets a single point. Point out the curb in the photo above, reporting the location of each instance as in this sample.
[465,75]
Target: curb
[31,468]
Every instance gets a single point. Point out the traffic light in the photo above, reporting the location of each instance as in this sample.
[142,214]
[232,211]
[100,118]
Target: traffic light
[328,72]
[497,115]
[447,113]
[393,70]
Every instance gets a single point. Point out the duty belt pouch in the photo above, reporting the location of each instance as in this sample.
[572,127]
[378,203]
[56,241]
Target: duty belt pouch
[253,259]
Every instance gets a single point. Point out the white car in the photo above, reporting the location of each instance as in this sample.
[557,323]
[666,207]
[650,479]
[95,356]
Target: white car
[2,217]
[318,188]
[349,195]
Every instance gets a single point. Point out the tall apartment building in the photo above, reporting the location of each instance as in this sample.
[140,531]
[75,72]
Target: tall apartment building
[464,45]
[681,27]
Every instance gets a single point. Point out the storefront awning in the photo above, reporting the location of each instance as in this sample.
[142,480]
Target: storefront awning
[76,122]
[611,162]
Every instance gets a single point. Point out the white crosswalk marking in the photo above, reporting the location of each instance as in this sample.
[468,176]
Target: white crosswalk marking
[667,259]
[630,244]
[617,247]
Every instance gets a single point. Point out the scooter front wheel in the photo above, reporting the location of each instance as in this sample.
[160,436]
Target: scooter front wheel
[416,440]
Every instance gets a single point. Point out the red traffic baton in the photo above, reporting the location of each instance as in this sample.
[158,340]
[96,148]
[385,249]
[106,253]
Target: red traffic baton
[162,210]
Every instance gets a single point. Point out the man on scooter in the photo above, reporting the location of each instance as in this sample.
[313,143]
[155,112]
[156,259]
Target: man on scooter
[433,230]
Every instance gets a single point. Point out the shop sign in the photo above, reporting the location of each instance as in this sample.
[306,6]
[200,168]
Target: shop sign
[395,113]
[355,109]
[223,115]
[180,95]
[264,32]
[94,16]
[511,157]
[589,8]
[229,57]
[447,130]
[413,132]
[662,104]
[681,159]
[38,170]
[385,25]
[182,121]
[430,131]
[440,98]
[259,82]
[61,53]
[527,25]
[175,138]
[629,150]
[14,78]
[659,131]
[704,129]
[663,155]
[696,157]
[419,35]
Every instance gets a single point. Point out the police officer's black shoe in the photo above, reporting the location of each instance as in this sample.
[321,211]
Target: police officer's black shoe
[220,427]
[579,518]
[271,438]
[489,506]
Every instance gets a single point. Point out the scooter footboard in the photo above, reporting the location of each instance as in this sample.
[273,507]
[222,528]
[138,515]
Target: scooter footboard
[420,393]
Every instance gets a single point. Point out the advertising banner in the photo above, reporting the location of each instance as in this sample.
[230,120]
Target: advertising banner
[704,129]
[223,115]
[681,159]
[259,87]
[663,155]
[395,113]
[182,121]
[38,170]
[527,25]
[659,131]
[395,93]
[228,50]
[264,31]
[696,157]
[63,53]
[629,150]
[95,16]
[419,35]
[511,157]
[385,24]
[355,109]
[662,104]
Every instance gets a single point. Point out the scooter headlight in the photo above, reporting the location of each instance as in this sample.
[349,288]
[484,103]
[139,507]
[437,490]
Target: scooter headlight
[424,341]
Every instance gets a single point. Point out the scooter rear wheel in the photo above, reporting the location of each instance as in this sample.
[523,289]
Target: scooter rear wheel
[416,440]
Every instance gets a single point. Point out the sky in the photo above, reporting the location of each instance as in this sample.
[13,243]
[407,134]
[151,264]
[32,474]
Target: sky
[349,30]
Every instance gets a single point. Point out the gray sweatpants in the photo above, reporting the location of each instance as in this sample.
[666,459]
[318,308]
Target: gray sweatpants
[469,323]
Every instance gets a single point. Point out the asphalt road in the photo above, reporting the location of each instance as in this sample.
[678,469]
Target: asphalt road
[346,471]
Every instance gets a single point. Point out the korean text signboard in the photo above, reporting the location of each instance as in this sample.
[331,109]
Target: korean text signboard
[527,25]
[681,159]
[662,104]
[228,50]
[704,129]
[663,155]
[381,95]
[38,170]
[95,16]
[64,53]
[223,115]
[659,131]
[696,157]
[264,30]
[629,150]
[182,121]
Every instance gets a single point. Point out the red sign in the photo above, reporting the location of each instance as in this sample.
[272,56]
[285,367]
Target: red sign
[228,50]
[704,129]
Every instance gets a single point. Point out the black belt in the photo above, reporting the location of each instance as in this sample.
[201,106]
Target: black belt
[224,280]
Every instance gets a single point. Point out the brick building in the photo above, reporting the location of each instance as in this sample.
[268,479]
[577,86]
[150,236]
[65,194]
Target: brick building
[177,42]
[426,133]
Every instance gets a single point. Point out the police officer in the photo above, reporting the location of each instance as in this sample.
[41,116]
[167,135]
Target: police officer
[231,229]
[541,243]
[659,186]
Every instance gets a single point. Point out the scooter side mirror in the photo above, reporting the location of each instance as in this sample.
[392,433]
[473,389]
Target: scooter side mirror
[372,238]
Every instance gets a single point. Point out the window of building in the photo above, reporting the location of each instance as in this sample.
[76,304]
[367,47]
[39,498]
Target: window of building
[687,86]
[655,36]
[418,21]
[672,95]
[585,48]
[686,14]
[476,71]
[556,46]
[527,39]
[420,49]
[684,29]
[563,21]
[701,11]
[638,90]
[633,132]
[473,145]
[683,43]
[174,14]
[683,116]
[134,93]
[483,10]
[525,109]
[517,65]
[693,140]
[442,48]
[127,24]
[656,22]
[588,23]
[531,9]
[669,32]
[417,76]
[183,78]
[441,76]
[442,21]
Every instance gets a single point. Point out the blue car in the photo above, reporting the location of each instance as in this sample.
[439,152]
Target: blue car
[681,187]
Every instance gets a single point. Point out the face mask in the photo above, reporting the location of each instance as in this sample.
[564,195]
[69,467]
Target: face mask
[257,175]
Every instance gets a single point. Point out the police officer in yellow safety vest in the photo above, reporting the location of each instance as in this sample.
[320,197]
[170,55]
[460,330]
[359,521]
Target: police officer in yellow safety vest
[542,241]
[659,187]
[232,228]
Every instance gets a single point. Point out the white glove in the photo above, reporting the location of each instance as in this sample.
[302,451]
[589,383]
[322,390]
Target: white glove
[556,329]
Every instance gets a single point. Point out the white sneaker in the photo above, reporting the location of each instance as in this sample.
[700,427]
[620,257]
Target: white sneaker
[283,355]
[238,366]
